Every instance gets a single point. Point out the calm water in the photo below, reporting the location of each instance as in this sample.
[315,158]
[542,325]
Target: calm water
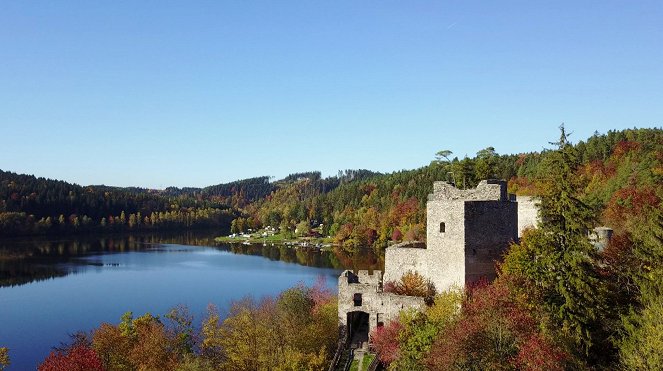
[52,288]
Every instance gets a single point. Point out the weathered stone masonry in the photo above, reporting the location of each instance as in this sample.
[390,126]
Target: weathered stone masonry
[363,293]
[466,232]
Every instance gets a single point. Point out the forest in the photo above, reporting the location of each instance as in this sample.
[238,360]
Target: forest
[358,208]
[617,172]
[32,206]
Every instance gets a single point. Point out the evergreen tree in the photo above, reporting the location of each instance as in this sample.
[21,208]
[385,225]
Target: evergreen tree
[557,259]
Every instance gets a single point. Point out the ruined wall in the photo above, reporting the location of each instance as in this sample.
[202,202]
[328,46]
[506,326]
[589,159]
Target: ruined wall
[350,284]
[398,260]
[448,259]
[490,227]
[528,208]
[379,305]
[486,190]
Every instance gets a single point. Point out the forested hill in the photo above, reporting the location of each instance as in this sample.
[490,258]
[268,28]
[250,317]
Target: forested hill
[35,205]
[618,172]
[356,207]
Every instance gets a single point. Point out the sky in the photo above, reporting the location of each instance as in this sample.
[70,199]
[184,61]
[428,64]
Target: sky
[194,93]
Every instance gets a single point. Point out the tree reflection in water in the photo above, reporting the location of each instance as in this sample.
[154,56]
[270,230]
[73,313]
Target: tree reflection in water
[25,260]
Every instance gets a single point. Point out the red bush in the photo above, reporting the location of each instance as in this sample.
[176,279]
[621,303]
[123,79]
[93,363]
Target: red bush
[495,333]
[385,341]
[76,358]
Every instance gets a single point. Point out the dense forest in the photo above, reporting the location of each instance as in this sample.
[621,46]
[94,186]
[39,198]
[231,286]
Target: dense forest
[356,207]
[31,205]
[615,169]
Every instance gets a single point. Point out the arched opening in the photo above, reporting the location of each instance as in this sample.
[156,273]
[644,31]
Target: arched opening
[358,328]
[443,227]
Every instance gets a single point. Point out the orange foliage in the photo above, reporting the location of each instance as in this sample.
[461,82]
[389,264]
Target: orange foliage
[521,186]
[405,211]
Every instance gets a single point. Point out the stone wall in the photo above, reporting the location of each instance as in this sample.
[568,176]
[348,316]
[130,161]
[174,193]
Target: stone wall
[379,305]
[487,190]
[528,213]
[458,253]
[445,261]
[398,260]
[490,227]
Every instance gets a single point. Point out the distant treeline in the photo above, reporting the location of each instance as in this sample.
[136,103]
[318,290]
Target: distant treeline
[32,205]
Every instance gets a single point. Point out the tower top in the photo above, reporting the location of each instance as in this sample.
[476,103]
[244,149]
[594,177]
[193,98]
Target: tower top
[487,190]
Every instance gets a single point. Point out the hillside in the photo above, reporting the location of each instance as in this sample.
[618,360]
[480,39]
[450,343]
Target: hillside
[356,207]
[619,171]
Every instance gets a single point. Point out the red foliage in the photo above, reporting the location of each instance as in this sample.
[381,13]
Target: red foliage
[521,159]
[345,232]
[599,168]
[494,332]
[76,358]
[624,147]
[371,236]
[630,202]
[389,286]
[404,210]
[618,249]
[536,354]
[397,235]
[367,189]
[320,293]
[385,341]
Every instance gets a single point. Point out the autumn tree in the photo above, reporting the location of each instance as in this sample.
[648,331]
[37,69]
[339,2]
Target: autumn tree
[297,330]
[4,358]
[494,332]
[557,260]
[76,358]
[137,343]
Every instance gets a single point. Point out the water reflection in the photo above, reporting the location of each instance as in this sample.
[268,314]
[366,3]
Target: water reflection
[28,260]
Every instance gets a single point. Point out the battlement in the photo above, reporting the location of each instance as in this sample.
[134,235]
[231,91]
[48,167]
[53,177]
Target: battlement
[487,190]
[363,277]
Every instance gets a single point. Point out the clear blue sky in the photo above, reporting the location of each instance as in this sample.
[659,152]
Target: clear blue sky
[194,93]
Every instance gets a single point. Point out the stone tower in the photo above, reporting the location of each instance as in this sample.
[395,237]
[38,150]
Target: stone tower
[467,231]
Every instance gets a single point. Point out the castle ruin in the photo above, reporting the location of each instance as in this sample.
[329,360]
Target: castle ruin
[466,232]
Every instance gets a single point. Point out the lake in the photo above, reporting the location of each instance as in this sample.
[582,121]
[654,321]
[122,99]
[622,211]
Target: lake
[52,287]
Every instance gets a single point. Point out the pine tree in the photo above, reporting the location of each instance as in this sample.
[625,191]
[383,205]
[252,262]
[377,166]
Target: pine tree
[557,259]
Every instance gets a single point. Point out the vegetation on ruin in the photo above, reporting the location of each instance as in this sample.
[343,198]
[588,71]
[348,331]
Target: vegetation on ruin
[412,284]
